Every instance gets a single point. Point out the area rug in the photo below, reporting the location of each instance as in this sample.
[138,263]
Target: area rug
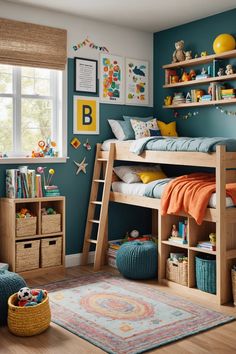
[126,317]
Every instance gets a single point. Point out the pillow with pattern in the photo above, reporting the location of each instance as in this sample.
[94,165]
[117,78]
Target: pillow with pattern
[142,129]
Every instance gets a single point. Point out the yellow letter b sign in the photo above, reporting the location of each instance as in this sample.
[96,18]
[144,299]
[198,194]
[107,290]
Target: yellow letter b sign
[86,115]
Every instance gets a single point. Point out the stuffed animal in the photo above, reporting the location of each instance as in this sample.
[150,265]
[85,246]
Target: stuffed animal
[229,69]
[220,72]
[179,53]
[27,297]
[188,55]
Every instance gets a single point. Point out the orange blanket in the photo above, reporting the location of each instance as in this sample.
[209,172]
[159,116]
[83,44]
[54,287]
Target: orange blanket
[191,194]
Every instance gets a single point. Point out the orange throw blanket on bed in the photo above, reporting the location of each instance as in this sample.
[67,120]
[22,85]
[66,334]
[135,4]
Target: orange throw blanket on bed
[191,194]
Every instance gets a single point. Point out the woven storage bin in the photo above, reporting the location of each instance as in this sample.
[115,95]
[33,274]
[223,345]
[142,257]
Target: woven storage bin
[177,272]
[233,273]
[9,284]
[27,255]
[28,321]
[206,273]
[26,226]
[51,223]
[51,252]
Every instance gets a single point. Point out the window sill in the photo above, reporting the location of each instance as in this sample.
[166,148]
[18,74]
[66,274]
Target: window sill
[32,160]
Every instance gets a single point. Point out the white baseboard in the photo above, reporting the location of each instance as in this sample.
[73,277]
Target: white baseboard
[73,260]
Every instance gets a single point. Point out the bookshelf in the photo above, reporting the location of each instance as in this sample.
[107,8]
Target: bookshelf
[204,81]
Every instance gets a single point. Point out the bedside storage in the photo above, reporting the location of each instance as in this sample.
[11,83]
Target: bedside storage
[35,245]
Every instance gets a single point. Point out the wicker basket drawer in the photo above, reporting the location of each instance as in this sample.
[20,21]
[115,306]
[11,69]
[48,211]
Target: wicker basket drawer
[51,252]
[27,255]
[26,226]
[51,223]
[177,272]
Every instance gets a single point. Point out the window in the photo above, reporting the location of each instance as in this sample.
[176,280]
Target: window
[30,108]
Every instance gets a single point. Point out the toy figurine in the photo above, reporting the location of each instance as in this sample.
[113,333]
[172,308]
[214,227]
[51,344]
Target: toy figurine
[203,54]
[174,79]
[188,55]
[203,71]
[168,100]
[220,72]
[192,75]
[185,77]
[174,231]
[179,53]
[212,238]
[229,69]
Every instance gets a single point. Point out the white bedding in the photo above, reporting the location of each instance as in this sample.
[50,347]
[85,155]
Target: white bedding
[106,144]
[139,189]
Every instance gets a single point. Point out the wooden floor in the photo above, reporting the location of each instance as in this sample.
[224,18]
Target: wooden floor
[56,340]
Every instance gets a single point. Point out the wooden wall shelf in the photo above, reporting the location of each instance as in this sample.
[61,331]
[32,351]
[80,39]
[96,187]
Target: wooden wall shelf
[202,81]
[197,104]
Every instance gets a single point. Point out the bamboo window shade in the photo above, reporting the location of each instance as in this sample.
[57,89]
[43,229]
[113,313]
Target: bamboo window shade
[28,44]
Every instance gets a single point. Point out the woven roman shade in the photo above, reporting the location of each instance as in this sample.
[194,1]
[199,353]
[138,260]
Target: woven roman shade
[28,44]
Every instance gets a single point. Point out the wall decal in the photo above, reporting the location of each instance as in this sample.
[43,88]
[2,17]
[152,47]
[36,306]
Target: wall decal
[86,115]
[137,82]
[111,79]
[86,75]
[226,111]
[90,44]
[87,145]
[185,116]
[81,166]
[75,143]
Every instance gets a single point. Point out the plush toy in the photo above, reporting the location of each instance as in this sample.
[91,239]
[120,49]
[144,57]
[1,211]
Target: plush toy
[188,55]
[27,297]
[220,72]
[179,53]
[229,69]
[134,233]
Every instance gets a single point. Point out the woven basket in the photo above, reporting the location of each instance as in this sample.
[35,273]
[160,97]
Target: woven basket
[26,226]
[51,224]
[28,321]
[206,273]
[177,272]
[27,255]
[233,273]
[51,252]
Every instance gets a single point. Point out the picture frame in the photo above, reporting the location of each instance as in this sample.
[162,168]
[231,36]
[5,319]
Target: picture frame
[86,115]
[137,82]
[112,79]
[86,76]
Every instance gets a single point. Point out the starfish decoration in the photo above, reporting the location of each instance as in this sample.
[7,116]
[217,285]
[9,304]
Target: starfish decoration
[81,166]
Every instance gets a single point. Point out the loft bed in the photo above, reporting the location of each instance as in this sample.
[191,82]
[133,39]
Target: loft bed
[221,220]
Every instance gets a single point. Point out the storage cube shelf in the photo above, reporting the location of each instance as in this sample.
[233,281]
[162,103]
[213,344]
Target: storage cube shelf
[35,245]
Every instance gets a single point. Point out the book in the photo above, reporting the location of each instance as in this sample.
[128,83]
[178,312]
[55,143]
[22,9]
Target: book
[179,240]
[168,74]
[206,245]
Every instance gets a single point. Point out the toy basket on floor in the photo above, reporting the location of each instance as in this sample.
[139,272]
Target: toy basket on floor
[177,272]
[28,321]
[233,273]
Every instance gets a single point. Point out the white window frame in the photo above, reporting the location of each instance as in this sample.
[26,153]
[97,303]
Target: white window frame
[58,94]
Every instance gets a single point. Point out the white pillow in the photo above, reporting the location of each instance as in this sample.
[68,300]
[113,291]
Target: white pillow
[128,174]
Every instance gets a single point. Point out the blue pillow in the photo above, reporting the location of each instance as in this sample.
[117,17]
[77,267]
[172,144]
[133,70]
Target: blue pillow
[129,129]
[154,132]
[120,129]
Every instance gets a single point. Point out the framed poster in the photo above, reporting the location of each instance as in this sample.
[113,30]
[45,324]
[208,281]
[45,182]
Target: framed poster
[86,75]
[137,82]
[111,79]
[86,115]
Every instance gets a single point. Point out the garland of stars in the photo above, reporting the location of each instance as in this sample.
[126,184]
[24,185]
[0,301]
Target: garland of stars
[185,116]
[226,111]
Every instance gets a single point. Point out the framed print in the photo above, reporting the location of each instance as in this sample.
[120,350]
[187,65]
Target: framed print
[137,82]
[86,75]
[111,79]
[86,115]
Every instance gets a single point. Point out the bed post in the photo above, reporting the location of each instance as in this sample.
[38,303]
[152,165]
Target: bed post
[222,278]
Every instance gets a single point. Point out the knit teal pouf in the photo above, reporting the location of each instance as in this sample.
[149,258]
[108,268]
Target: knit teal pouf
[137,260]
[10,283]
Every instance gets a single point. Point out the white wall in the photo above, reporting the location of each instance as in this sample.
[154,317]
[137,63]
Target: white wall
[119,40]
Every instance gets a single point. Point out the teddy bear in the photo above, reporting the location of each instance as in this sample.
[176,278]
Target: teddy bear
[229,69]
[188,55]
[179,53]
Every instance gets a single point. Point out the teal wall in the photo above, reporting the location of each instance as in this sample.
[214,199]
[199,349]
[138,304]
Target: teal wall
[198,36]
[76,188]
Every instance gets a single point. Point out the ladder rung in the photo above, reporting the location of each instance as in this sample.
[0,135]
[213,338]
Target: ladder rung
[99,180]
[96,202]
[102,159]
[92,241]
[94,221]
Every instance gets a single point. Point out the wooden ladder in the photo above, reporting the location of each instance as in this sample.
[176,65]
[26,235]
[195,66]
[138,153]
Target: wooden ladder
[101,237]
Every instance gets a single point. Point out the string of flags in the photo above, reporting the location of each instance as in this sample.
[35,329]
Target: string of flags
[226,111]
[90,44]
[185,116]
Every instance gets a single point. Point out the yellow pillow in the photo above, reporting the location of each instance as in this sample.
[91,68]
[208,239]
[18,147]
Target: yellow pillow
[150,176]
[167,129]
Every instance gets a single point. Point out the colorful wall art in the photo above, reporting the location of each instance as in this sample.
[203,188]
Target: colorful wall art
[137,82]
[111,79]
[86,115]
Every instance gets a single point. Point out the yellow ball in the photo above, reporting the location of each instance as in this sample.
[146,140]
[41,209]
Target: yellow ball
[224,43]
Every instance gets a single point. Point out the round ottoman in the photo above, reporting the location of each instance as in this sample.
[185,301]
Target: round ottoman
[10,283]
[137,260]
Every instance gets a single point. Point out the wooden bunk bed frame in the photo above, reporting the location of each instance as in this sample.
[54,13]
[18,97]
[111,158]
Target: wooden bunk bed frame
[221,220]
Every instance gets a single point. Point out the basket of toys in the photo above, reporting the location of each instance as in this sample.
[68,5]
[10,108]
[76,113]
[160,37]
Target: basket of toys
[177,269]
[28,312]
[51,221]
[26,223]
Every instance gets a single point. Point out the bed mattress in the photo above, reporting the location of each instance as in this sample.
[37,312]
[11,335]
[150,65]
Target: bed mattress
[139,190]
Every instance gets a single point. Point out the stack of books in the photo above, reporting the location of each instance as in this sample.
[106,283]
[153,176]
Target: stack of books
[51,191]
[178,98]
[205,98]
[207,245]
[216,91]
[23,183]
[228,94]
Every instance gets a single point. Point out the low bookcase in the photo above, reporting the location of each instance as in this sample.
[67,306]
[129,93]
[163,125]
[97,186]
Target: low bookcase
[27,252]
